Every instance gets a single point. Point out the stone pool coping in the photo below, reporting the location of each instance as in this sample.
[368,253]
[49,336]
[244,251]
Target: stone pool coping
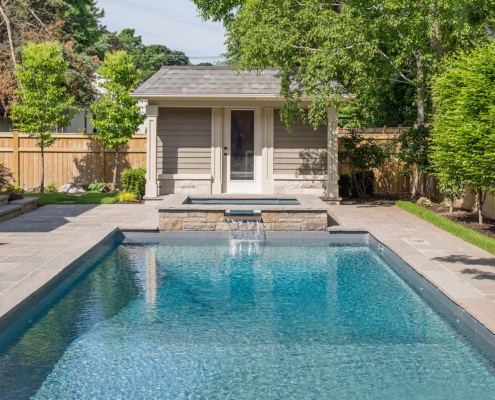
[176,202]
[37,247]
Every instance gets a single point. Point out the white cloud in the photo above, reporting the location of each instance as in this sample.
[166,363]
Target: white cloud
[173,23]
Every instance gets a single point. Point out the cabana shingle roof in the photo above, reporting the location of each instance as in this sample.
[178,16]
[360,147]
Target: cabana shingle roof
[198,80]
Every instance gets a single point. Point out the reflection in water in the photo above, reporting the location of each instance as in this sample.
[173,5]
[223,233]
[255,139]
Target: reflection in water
[151,275]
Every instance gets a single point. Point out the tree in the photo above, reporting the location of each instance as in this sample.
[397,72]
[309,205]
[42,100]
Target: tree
[44,103]
[464,129]
[412,150]
[116,114]
[150,59]
[358,43]
[74,23]
[363,155]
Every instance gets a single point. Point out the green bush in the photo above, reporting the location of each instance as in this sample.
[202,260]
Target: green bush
[363,184]
[345,184]
[96,186]
[134,181]
[51,188]
[12,189]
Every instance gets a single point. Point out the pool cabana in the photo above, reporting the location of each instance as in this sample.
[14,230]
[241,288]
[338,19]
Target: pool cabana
[214,131]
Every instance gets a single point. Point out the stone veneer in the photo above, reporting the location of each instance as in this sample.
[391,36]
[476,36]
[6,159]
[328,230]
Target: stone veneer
[184,186]
[310,215]
[297,187]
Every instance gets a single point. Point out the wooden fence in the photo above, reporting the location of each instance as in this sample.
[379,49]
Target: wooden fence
[388,179]
[81,158]
[72,158]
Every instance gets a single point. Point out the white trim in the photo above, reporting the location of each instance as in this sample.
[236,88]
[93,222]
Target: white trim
[299,177]
[233,186]
[267,150]
[198,177]
[151,188]
[216,149]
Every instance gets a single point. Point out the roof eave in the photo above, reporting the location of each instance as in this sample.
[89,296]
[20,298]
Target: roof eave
[259,97]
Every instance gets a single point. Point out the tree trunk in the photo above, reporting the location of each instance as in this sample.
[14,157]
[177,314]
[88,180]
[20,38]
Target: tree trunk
[420,90]
[451,206]
[42,185]
[9,32]
[480,206]
[116,164]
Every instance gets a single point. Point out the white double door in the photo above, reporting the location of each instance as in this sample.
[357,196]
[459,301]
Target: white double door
[242,155]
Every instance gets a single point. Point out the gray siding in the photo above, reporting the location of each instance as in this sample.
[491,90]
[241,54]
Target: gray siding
[301,152]
[184,141]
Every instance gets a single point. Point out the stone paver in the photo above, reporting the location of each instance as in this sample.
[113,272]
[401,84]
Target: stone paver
[37,246]
[463,272]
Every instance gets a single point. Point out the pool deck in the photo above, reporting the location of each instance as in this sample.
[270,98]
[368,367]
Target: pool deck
[38,246]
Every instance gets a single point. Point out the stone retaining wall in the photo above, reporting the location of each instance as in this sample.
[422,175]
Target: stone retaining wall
[274,220]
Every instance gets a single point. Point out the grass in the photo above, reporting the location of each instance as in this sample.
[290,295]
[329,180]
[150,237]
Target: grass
[482,241]
[87,198]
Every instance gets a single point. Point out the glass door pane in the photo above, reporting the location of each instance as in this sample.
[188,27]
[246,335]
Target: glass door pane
[242,145]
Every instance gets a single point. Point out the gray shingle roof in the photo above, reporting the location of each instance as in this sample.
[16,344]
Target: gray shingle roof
[199,80]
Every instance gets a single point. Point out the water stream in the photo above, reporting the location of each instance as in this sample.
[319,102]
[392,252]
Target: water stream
[246,229]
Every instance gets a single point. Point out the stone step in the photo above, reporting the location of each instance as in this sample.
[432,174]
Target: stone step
[4,199]
[27,203]
[9,211]
[17,207]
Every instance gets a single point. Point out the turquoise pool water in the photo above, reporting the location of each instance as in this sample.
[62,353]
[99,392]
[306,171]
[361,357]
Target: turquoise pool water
[287,320]
[244,202]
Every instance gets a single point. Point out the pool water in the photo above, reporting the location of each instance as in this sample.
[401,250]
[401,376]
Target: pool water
[287,320]
[243,202]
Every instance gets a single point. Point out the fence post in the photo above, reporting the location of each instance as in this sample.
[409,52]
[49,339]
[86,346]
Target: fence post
[101,160]
[15,157]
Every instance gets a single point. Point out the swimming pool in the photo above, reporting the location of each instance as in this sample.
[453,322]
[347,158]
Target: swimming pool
[199,318]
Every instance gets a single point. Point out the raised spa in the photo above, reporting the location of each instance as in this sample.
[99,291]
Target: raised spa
[243,201]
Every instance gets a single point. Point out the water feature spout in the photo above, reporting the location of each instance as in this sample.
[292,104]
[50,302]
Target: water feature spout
[247,229]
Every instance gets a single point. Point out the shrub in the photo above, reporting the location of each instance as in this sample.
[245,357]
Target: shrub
[6,177]
[134,181]
[51,188]
[12,189]
[345,184]
[362,184]
[14,192]
[424,201]
[96,186]
[127,197]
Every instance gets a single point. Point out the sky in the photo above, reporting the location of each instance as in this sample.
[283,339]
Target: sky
[173,23]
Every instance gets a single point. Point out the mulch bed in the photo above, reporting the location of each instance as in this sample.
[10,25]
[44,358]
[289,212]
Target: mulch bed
[466,218]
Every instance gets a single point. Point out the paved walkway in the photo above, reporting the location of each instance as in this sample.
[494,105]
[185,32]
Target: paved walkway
[37,246]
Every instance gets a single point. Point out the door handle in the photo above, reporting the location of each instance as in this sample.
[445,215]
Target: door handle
[224,154]
[225,148]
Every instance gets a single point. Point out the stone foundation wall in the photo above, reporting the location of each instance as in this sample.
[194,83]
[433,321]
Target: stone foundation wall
[216,221]
[291,187]
[184,186]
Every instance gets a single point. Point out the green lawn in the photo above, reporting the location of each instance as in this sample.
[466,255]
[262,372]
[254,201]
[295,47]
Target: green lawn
[478,239]
[87,198]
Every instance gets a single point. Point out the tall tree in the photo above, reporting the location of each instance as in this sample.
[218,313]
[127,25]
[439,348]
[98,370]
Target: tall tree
[356,42]
[44,103]
[75,23]
[150,59]
[116,114]
[464,129]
